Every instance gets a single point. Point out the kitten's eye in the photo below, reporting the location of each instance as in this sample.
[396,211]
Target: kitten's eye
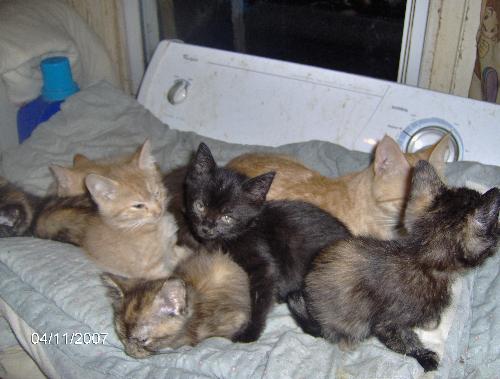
[140,340]
[139,206]
[199,206]
[227,219]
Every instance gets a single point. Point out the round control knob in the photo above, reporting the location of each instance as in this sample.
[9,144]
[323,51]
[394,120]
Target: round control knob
[178,92]
[426,132]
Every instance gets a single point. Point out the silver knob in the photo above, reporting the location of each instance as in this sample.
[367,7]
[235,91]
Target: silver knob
[430,135]
[178,92]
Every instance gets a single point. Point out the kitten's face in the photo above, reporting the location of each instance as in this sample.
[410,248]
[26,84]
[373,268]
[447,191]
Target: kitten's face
[220,203]
[458,219]
[12,220]
[16,211]
[149,315]
[133,195]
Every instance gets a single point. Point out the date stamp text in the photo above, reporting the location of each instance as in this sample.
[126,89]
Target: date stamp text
[75,338]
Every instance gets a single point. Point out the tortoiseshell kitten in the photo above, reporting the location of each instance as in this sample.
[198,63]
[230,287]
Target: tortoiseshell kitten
[363,287]
[273,241]
[207,296]
[51,217]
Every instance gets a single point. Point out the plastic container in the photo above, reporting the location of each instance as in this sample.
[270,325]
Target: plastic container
[58,85]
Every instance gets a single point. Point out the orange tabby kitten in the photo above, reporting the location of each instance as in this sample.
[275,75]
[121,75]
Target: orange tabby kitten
[133,236]
[369,202]
[70,181]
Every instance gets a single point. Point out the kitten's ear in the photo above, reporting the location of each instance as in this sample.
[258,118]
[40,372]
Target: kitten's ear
[117,287]
[171,299]
[67,181]
[203,162]
[143,157]
[80,159]
[389,160]
[440,153]
[486,215]
[101,188]
[258,187]
[436,154]
[425,185]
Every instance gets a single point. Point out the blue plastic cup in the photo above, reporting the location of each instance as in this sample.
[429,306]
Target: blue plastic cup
[58,81]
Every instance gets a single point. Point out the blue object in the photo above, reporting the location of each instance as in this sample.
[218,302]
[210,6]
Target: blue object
[58,82]
[58,85]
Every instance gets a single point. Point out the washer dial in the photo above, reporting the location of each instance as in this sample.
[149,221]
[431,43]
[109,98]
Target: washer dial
[426,132]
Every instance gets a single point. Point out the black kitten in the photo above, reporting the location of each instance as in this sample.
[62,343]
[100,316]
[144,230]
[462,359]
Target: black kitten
[362,286]
[273,241]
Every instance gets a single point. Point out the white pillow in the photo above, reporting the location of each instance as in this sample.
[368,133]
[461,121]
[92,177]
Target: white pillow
[31,30]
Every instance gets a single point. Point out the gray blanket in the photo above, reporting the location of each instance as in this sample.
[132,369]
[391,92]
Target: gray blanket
[53,289]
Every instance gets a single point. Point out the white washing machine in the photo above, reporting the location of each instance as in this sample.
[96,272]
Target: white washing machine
[253,100]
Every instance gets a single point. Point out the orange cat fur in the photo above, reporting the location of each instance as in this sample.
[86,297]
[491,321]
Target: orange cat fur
[70,181]
[369,202]
[133,236]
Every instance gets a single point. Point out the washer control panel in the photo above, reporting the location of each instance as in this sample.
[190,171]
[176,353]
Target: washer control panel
[253,100]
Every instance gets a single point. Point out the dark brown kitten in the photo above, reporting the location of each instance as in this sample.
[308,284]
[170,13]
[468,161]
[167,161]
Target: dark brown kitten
[363,287]
[208,295]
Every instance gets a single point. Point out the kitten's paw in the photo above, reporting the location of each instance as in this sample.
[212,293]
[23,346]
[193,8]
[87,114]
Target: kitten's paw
[247,335]
[428,359]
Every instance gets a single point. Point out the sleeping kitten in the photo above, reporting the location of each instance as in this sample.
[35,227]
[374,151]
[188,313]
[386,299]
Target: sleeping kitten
[50,217]
[207,296]
[364,287]
[369,202]
[273,241]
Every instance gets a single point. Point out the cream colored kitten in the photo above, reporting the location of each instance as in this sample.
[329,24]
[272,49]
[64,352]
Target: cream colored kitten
[133,236]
